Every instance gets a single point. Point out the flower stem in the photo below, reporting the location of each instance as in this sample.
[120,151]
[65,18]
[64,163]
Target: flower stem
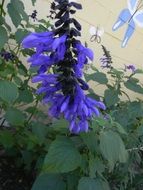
[36,104]
[2,122]
[2,5]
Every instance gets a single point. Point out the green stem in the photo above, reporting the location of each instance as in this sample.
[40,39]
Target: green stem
[126,95]
[18,49]
[2,5]
[2,123]
[36,104]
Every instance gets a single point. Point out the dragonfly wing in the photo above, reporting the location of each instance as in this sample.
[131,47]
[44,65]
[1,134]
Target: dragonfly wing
[124,17]
[132,5]
[92,30]
[100,32]
[138,18]
[129,33]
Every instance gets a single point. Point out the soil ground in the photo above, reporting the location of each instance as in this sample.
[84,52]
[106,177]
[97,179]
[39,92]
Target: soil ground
[13,178]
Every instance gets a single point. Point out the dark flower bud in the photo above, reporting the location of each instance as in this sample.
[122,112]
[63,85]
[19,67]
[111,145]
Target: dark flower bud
[53,6]
[34,15]
[77,24]
[84,85]
[59,14]
[74,32]
[76,5]
[7,56]
[72,11]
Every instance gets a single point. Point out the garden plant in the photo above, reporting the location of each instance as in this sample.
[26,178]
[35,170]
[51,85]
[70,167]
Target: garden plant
[60,133]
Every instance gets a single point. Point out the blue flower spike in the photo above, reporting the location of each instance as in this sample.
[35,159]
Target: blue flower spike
[59,49]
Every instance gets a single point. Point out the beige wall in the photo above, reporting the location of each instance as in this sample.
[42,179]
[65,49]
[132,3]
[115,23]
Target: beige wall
[103,13]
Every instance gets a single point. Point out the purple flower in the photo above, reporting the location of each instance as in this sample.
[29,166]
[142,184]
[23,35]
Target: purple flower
[45,78]
[78,70]
[83,54]
[58,41]
[45,42]
[7,56]
[131,67]
[38,40]
[106,59]
[104,62]
[49,86]
[40,59]
[77,110]
[59,45]
[64,90]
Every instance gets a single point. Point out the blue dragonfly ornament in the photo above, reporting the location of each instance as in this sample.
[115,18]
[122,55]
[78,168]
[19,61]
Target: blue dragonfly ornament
[132,16]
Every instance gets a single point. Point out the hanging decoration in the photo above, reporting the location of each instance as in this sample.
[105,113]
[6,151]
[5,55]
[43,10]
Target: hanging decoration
[96,33]
[132,16]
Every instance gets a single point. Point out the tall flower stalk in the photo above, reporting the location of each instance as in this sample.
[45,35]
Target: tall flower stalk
[106,60]
[60,49]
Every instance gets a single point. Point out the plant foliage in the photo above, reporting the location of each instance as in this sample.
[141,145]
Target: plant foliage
[109,156]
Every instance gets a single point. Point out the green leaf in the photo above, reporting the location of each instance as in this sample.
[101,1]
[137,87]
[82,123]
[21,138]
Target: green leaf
[133,85]
[15,117]
[135,109]
[32,140]
[16,12]
[49,182]
[40,130]
[87,183]
[72,181]
[6,139]
[140,130]
[14,15]
[19,6]
[95,166]
[120,128]
[31,109]
[139,71]
[20,34]
[3,36]
[8,91]
[22,70]
[100,121]
[116,73]
[93,95]
[33,2]
[18,81]
[33,70]
[62,156]
[40,28]
[9,70]
[3,22]
[25,96]
[98,77]
[121,115]
[27,158]
[91,140]
[111,97]
[60,125]
[89,77]
[112,148]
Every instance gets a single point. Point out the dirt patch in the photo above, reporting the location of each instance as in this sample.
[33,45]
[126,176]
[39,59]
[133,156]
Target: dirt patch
[14,178]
